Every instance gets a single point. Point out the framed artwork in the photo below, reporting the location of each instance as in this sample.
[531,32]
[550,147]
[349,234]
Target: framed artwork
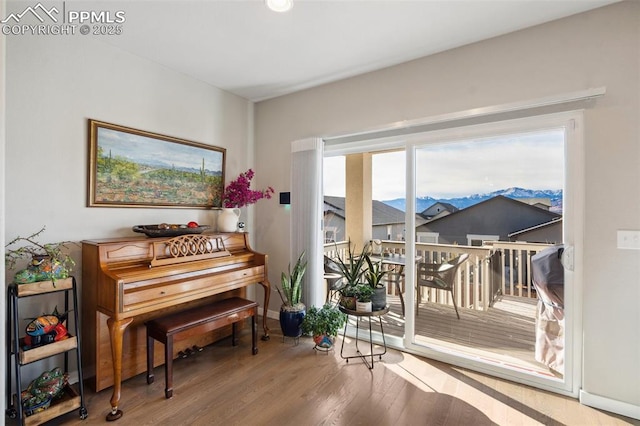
[135,168]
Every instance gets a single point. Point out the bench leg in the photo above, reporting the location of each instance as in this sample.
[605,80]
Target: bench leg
[168,367]
[254,335]
[150,378]
[234,337]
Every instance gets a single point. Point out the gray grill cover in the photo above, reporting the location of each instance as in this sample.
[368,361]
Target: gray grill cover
[548,280]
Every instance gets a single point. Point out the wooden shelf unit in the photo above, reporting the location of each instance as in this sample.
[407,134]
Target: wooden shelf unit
[17,356]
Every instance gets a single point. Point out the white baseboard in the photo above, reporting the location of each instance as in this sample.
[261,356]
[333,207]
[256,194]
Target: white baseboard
[273,314]
[73,377]
[611,405]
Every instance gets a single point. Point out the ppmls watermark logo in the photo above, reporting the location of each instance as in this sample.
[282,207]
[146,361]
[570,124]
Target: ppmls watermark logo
[58,20]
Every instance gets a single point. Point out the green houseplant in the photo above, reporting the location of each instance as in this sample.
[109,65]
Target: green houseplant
[373,275]
[348,296]
[364,293]
[323,324]
[352,269]
[292,310]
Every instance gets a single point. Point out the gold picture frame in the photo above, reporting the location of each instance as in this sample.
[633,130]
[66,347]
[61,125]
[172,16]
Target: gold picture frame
[136,168]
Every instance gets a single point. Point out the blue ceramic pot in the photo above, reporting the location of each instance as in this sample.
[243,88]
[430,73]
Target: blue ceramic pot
[291,322]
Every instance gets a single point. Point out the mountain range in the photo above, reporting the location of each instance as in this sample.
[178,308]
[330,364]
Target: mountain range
[422,203]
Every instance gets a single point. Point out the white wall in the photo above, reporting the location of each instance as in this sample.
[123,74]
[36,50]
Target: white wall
[593,49]
[54,84]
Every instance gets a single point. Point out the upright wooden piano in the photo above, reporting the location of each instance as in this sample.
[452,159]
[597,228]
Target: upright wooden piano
[127,281]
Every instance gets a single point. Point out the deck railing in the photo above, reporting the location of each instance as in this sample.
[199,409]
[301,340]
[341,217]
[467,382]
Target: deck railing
[494,268]
[515,264]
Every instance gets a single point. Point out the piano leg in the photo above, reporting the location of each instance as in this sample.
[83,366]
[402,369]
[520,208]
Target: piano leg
[267,293]
[116,332]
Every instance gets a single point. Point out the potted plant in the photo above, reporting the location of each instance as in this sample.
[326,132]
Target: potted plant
[292,310]
[373,275]
[352,269]
[238,193]
[349,296]
[364,292]
[323,324]
[47,261]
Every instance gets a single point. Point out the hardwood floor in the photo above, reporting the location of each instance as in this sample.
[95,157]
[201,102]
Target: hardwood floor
[288,384]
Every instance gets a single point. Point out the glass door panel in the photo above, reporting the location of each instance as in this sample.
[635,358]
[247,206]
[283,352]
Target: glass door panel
[485,207]
[492,196]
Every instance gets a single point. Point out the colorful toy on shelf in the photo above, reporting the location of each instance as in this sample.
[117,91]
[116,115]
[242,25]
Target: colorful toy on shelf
[42,325]
[47,261]
[41,391]
[42,268]
[46,329]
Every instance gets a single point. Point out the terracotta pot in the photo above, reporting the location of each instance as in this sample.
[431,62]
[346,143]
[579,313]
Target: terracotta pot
[348,302]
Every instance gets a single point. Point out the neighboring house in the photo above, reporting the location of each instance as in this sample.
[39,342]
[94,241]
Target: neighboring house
[542,203]
[334,219]
[549,232]
[438,209]
[494,219]
[388,222]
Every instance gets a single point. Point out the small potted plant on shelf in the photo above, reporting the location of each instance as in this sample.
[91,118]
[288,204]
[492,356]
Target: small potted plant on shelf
[47,261]
[323,324]
[292,310]
[364,292]
[349,296]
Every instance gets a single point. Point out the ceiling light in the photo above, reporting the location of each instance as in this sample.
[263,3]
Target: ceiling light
[279,5]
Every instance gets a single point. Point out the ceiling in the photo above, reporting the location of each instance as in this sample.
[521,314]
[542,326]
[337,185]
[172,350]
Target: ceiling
[242,47]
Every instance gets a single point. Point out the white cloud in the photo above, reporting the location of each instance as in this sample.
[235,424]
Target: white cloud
[479,166]
[532,161]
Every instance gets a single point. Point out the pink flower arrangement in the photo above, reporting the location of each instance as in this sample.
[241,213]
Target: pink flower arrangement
[238,194]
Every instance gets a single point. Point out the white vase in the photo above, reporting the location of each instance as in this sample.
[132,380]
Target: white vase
[228,219]
[363,306]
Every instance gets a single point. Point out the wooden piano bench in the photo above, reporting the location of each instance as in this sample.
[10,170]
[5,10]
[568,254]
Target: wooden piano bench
[192,322]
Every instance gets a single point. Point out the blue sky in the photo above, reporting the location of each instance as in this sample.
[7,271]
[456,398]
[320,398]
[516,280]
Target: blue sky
[141,149]
[532,161]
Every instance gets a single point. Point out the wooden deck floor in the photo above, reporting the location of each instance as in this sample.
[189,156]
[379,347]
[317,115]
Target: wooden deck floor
[504,335]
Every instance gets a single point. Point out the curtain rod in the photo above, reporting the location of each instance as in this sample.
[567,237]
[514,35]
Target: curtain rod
[570,97]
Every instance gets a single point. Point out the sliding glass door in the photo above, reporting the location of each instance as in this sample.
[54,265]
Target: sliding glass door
[493,200]
[478,204]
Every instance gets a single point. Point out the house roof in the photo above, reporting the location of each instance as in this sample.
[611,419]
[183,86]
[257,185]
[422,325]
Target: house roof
[446,209]
[536,227]
[382,214]
[334,204]
[483,204]
[447,206]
